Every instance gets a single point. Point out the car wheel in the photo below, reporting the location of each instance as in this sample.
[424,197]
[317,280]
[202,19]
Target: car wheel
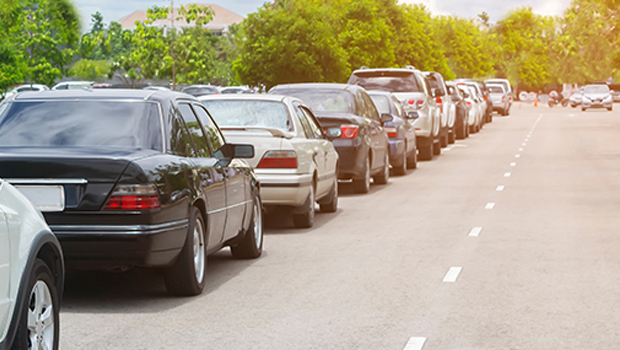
[412,160]
[383,177]
[426,153]
[610,109]
[187,275]
[401,169]
[583,109]
[452,136]
[363,185]
[332,204]
[306,219]
[39,323]
[443,140]
[251,245]
[436,150]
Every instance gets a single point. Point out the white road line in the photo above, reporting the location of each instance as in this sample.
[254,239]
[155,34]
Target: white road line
[489,205]
[500,188]
[524,143]
[513,164]
[506,174]
[452,274]
[520,149]
[415,343]
[517,156]
[475,232]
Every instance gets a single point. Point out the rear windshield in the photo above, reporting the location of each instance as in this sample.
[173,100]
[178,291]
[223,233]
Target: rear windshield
[323,100]
[597,89]
[269,114]
[129,125]
[382,103]
[392,81]
[495,89]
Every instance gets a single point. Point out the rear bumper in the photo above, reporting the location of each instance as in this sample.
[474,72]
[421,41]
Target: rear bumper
[111,246]
[288,190]
[397,148]
[352,154]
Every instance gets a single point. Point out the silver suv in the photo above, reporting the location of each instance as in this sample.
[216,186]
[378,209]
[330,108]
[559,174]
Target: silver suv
[447,108]
[412,88]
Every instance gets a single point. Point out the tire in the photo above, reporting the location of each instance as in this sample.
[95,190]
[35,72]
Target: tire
[186,277]
[426,153]
[363,185]
[461,133]
[443,140]
[452,136]
[610,109]
[436,150]
[466,131]
[472,129]
[331,206]
[383,177]
[572,105]
[251,245]
[401,169]
[583,109]
[43,302]
[412,160]
[306,219]
[564,103]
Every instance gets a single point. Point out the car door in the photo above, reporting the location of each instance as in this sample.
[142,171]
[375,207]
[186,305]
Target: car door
[237,188]
[380,141]
[326,157]
[5,266]
[309,153]
[409,129]
[211,178]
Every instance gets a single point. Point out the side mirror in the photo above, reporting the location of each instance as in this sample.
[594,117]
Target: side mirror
[386,117]
[230,150]
[439,93]
[413,115]
[333,133]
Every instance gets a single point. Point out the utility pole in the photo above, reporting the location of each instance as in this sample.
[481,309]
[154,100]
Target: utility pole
[174,72]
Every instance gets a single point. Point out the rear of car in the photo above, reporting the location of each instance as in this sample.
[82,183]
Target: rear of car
[445,105]
[412,88]
[507,87]
[499,98]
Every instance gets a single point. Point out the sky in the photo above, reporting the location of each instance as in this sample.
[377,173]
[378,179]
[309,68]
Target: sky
[113,10]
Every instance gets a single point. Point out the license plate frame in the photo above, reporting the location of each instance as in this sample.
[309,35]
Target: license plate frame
[46,198]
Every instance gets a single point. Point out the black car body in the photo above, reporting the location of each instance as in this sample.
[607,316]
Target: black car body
[138,174]
[484,92]
[363,147]
[462,111]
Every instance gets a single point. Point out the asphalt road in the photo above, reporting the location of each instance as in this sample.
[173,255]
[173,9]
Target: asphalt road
[541,272]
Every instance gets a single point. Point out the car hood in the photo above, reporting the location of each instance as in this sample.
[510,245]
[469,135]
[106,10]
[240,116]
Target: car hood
[597,96]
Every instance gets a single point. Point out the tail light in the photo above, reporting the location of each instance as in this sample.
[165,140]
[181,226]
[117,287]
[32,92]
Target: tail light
[439,102]
[411,102]
[503,99]
[420,103]
[133,197]
[485,97]
[349,131]
[469,103]
[391,131]
[279,159]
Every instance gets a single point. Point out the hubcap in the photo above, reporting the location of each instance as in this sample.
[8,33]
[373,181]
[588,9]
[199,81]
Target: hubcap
[41,317]
[367,179]
[199,251]
[258,224]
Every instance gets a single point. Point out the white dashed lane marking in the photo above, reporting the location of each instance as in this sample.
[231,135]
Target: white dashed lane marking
[513,164]
[452,274]
[475,232]
[499,188]
[506,174]
[415,343]
[517,156]
[489,206]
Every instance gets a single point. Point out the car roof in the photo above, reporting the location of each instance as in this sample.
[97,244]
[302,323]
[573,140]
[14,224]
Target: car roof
[99,94]
[254,97]
[318,86]
[409,70]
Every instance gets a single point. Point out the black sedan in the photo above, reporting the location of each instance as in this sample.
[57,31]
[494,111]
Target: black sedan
[130,178]
[363,148]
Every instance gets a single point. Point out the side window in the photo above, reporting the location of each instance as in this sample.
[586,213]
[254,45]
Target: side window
[214,136]
[314,126]
[370,106]
[304,122]
[195,130]
[62,87]
[180,141]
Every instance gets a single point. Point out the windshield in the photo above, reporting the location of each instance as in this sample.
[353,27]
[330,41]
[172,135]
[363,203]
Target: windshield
[391,81]
[597,89]
[382,103]
[270,114]
[324,100]
[133,125]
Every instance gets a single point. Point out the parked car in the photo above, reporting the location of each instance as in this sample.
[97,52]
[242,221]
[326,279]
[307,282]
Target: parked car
[483,94]
[597,96]
[237,90]
[499,98]
[445,105]
[31,275]
[132,178]
[575,98]
[412,88]
[475,111]
[294,160]
[73,85]
[403,150]
[506,84]
[461,126]
[615,91]
[363,148]
[201,90]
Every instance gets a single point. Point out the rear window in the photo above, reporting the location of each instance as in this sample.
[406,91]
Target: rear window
[392,81]
[323,100]
[495,89]
[382,103]
[269,114]
[130,125]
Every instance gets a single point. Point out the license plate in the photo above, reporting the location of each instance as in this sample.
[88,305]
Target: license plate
[47,198]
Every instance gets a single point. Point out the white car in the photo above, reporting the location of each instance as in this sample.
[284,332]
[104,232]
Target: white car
[475,112]
[294,161]
[597,96]
[31,275]
[73,85]
[506,84]
[25,87]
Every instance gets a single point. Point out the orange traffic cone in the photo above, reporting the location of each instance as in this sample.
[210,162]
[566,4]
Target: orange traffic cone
[536,102]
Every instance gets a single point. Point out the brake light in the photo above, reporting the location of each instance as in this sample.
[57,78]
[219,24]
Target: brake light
[133,197]
[349,131]
[420,103]
[503,99]
[469,103]
[391,131]
[411,102]
[439,103]
[485,97]
[279,159]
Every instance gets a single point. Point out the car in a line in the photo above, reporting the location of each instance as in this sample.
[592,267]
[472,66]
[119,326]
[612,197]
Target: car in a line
[506,84]
[445,105]
[132,178]
[575,98]
[236,90]
[21,88]
[31,275]
[498,98]
[73,85]
[201,90]
[483,95]
[597,96]
[363,148]
[413,89]
[403,150]
[294,160]
[461,126]
[474,120]
[615,91]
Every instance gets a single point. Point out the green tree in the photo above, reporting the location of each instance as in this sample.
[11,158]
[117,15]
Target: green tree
[86,69]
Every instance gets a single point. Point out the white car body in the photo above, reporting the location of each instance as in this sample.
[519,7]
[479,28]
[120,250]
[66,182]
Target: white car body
[506,84]
[317,159]
[25,87]
[73,85]
[477,109]
[597,96]
[24,238]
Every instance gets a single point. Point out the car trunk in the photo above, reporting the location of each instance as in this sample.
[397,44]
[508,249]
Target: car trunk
[87,175]
[262,140]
